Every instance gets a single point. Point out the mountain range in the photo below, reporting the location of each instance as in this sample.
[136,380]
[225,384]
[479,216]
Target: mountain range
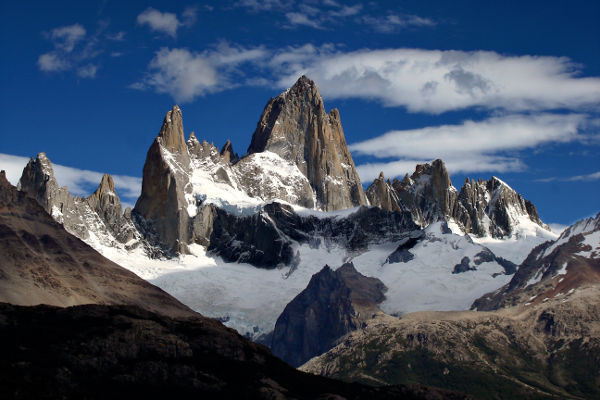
[250,240]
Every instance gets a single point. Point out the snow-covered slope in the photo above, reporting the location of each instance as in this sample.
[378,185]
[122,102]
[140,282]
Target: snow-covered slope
[555,269]
[250,299]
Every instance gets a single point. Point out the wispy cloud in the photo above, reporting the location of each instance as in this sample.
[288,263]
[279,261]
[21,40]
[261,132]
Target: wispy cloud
[159,21]
[391,23]
[87,71]
[328,14]
[472,146]
[185,75]
[264,5]
[298,18]
[166,22]
[80,182]
[594,176]
[64,40]
[75,49]
[435,81]
[429,81]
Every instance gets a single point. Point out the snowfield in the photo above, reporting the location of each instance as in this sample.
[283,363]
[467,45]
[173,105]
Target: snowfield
[250,299]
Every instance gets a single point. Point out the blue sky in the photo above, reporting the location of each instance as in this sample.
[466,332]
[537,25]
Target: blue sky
[509,89]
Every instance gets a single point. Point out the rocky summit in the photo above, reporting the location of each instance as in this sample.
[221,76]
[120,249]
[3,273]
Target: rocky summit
[483,208]
[333,304]
[295,126]
[163,203]
[553,269]
[99,215]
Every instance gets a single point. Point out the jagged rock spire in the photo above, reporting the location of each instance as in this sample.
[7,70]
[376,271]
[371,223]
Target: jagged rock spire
[482,207]
[39,183]
[171,131]
[382,195]
[228,153]
[295,126]
[165,184]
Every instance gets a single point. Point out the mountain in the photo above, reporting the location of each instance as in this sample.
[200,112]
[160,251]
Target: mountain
[42,263]
[333,304]
[545,351]
[541,341]
[553,269]
[124,352]
[126,337]
[96,219]
[166,186]
[298,154]
[482,208]
[238,238]
[295,126]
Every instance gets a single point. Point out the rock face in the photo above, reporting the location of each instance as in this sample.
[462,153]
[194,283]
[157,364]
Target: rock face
[42,263]
[552,269]
[105,202]
[483,208]
[333,304]
[39,183]
[295,126]
[162,203]
[266,239]
[118,352]
[100,213]
[228,154]
[493,201]
[382,194]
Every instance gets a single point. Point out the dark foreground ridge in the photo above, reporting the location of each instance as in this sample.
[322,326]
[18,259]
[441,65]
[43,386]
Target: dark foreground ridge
[100,352]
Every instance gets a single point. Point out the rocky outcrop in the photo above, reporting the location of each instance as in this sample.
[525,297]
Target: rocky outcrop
[381,194]
[42,263]
[100,213]
[228,154]
[402,252]
[333,304]
[266,239]
[548,350]
[163,203]
[107,205]
[39,183]
[117,352]
[492,207]
[483,208]
[295,126]
[552,269]
[428,194]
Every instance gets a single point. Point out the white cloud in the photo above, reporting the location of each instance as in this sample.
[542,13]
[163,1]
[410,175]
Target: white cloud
[52,61]
[73,49]
[167,22]
[66,37]
[189,16]
[117,37]
[263,5]
[393,22]
[468,147]
[80,182]
[437,81]
[297,18]
[87,71]
[346,11]
[159,21]
[595,176]
[186,75]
